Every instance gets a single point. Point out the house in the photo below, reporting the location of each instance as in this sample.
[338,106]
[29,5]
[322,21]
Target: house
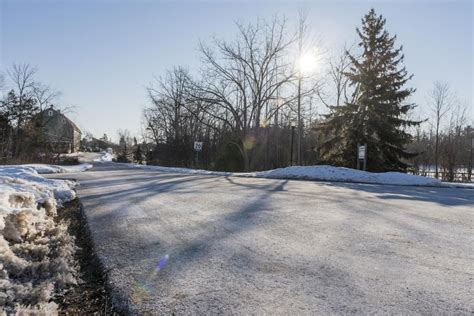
[60,132]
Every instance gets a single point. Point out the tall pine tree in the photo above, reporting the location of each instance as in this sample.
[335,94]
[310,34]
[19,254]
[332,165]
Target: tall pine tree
[377,116]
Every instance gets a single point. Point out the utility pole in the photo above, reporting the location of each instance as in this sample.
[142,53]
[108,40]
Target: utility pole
[300,126]
[292,138]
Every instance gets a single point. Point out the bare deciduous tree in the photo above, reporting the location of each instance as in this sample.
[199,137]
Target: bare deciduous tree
[244,76]
[441,101]
[337,88]
[44,95]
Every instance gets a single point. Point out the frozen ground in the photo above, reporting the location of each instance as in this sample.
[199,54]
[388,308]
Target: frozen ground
[184,243]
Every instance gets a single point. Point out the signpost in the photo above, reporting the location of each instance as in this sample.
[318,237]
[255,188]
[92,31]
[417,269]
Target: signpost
[197,149]
[362,156]
[469,174]
[197,146]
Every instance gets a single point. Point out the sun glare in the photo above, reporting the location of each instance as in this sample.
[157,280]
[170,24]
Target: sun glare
[307,63]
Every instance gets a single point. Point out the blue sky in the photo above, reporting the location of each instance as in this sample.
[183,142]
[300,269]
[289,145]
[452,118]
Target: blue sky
[102,54]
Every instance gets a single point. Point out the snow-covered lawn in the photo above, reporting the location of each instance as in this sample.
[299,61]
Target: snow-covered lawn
[323,173]
[36,253]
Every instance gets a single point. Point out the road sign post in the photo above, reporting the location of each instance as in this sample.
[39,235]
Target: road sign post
[197,149]
[469,174]
[362,156]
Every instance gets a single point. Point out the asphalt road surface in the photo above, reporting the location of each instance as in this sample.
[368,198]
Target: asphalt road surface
[193,244]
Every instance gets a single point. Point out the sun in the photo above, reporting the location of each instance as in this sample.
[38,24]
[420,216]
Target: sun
[307,63]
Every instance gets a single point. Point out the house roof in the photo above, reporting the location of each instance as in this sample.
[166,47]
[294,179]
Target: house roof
[74,126]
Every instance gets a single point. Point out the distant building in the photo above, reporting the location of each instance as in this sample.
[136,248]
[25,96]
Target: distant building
[60,132]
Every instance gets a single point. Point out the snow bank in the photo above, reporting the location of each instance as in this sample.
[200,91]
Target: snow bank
[330,173]
[36,253]
[45,169]
[76,168]
[106,156]
[318,173]
[24,179]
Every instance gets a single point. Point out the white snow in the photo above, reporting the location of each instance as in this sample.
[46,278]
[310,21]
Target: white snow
[330,173]
[318,173]
[106,156]
[45,169]
[26,179]
[31,242]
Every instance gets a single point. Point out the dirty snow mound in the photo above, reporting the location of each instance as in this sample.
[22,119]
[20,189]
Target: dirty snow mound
[36,253]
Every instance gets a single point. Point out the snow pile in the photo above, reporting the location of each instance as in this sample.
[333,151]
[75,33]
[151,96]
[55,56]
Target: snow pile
[106,156]
[28,180]
[44,169]
[76,168]
[317,173]
[330,173]
[36,253]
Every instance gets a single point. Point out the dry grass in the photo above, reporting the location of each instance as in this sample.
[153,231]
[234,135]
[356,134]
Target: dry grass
[90,295]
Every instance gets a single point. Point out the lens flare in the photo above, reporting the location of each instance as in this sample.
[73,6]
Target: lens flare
[162,263]
[249,142]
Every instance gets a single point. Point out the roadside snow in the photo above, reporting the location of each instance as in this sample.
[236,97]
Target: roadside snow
[76,168]
[25,179]
[36,253]
[318,173]
[45,169]
[105,157]
[330,173]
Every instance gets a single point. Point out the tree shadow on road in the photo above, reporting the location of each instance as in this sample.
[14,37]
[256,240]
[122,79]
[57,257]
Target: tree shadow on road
[439,195]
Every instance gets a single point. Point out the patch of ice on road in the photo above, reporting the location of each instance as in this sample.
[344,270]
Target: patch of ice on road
[36,253]
[318,173]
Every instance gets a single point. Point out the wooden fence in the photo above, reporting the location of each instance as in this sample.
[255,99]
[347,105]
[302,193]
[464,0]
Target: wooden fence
[446,176]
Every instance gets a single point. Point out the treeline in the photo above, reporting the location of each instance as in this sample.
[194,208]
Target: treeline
[241,107]
[21,117]
[254,107]
[446,143]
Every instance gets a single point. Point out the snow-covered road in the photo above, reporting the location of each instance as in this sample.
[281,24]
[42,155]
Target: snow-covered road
[207,244]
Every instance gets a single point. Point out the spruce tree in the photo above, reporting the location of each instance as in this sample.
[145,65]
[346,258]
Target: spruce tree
[377,114]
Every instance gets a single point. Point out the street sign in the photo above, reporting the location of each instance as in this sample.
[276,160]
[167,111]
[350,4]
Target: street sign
[362,152]
[197,146]
[362,156]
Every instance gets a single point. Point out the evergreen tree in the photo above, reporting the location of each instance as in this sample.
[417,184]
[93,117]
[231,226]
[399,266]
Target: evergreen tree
[377,116]
[137,154]
[123,154]
[19,111]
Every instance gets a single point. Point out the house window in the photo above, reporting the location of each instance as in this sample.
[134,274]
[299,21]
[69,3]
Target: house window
[50,113]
